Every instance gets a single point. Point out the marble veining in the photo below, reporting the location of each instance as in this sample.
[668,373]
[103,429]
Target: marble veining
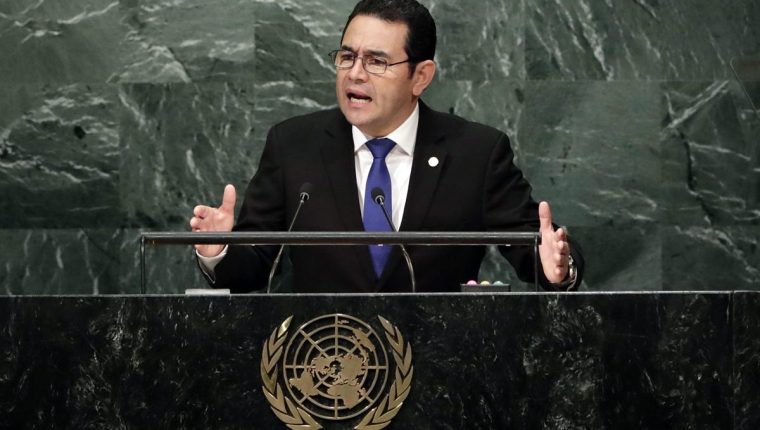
[119,116]
[681,360]
[641,40]
[59,157]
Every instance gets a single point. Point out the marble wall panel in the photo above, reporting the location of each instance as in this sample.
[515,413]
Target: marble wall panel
[188,40]
[180,144]
[710,209]
[640,40]
[700,258]
[498,103]
[166,153]
[479,40]
[622,259]
[279,100]
[639,135]
[711,156]
[60,261]
[308,30]
[592,147]
[59,156]
[77,41]
[293,39]
[127,41]
[169,269]
[617,259]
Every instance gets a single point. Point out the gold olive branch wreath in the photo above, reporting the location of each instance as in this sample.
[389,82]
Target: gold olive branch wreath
[297,418]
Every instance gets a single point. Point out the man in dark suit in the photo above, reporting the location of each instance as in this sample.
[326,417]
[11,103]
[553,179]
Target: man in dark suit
[438,172]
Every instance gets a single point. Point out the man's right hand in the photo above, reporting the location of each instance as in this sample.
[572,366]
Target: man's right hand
[210,219]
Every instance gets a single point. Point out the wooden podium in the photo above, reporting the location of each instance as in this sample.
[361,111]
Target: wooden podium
[470,361]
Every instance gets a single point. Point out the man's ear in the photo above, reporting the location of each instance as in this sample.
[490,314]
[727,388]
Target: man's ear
[423,76]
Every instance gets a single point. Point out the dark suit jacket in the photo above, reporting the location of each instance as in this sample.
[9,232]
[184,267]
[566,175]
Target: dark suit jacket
[475,187]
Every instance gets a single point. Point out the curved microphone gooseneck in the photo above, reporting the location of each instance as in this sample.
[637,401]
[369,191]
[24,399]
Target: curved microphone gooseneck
[303,196]
[379,197]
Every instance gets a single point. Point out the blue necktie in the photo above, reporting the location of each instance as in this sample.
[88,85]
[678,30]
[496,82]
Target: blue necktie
[374,219]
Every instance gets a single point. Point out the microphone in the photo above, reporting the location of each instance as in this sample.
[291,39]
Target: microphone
[303,196]
[379,197]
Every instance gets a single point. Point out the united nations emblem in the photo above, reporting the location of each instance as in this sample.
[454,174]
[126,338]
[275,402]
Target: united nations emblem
[336,367]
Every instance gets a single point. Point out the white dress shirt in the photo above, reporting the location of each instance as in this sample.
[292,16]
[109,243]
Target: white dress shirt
[399,162]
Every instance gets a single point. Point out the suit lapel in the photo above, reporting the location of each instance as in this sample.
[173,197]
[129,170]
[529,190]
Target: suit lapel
[423,180]
[338,159]
[425,174]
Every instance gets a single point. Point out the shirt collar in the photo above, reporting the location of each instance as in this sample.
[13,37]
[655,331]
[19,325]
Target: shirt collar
[405,135]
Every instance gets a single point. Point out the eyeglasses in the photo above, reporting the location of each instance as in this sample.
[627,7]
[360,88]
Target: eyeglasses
[377,66]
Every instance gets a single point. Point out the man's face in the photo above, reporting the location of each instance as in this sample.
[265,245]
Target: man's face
[376,104]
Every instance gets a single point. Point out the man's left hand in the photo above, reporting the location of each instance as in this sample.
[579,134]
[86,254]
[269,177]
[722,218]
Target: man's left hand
[554,249]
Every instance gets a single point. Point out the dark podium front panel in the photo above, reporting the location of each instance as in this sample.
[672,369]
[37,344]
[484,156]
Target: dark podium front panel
[471,361]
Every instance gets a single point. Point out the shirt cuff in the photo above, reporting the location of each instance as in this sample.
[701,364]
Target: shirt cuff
[209,263]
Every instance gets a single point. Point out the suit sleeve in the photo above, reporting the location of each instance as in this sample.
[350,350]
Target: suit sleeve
[509,206]
[246,268]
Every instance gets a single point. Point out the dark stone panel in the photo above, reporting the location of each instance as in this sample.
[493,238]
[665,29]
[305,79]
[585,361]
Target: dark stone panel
[633,155]
[77,354]
[480,361]
[76,41]
[179,162]
[181,143]
[293,39]
[617,259]
[188,40]
[60,261]
[672,361]
[591,148]
[710,155]
[498,103]
[278,101]
[746,69]
[169,269]
[701,258]
[622,259]
[747,360]
[480,40]
[641,40]
[496,268]
[59,156]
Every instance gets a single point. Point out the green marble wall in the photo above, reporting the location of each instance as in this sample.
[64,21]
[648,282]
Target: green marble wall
[118,116]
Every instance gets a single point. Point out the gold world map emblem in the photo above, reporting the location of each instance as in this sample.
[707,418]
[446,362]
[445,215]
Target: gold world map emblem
[336,367]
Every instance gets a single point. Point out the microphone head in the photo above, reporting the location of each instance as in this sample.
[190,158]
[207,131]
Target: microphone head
[306,188]
[378,195]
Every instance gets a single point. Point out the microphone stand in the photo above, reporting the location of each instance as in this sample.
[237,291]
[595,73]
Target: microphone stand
[380,200]
[303,197]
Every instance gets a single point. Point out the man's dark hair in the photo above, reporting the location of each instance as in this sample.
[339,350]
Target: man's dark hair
[420,38]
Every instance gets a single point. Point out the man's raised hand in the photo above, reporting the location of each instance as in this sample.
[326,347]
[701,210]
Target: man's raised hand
[554,249]
[209,219]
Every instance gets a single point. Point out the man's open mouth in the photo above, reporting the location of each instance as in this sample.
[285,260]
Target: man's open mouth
[358,97]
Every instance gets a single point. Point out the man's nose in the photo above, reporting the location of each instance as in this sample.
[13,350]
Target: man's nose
[357,72]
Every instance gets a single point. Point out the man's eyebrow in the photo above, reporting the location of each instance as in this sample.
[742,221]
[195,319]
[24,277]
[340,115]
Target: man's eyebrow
[372,52]
[376,53]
